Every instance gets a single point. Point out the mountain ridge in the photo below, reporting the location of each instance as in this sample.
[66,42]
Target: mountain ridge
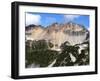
[57,33]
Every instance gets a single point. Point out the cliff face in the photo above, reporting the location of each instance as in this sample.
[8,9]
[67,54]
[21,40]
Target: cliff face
[58,33]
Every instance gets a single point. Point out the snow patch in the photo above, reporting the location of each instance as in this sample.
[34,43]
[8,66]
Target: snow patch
[52,63]
[72,58]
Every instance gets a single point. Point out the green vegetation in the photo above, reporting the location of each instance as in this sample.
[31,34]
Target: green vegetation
[64,58]
[38,52]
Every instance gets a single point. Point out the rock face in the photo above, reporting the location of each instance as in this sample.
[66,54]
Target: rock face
[58,33]
[56,45]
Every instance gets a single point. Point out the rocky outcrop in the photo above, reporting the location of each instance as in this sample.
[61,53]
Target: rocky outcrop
[58,33]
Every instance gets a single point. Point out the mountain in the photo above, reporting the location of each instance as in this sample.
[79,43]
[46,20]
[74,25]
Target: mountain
[58,33]
[56,45]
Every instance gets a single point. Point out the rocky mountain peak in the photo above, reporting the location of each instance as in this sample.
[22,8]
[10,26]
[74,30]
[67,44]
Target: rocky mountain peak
[58,27]
[33,26]
[58,33]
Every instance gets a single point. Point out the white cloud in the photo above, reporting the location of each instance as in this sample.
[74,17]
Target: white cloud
[32,19]
[88,28]
[71,17]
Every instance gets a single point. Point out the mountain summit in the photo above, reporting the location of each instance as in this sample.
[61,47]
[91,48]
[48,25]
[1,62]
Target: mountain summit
[58,33]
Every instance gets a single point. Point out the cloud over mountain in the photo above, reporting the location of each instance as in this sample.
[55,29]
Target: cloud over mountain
[71,17]
[32,19]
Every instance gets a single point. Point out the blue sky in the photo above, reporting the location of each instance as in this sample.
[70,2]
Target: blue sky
[46,19]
